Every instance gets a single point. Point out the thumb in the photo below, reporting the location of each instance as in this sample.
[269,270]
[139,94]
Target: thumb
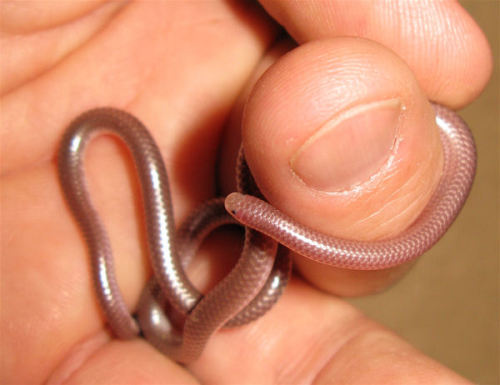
[340,137]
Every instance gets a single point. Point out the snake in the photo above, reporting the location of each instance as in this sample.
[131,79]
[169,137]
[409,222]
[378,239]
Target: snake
[172,314]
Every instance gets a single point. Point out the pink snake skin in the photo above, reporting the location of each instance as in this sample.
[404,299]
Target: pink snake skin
[172,314]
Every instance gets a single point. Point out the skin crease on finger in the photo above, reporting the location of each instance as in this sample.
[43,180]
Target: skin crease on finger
[28,191]
[21,18]
[21,59]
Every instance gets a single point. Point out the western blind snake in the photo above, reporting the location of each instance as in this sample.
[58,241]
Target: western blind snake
[172,314]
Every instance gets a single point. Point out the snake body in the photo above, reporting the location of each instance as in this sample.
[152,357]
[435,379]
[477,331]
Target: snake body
[172,314]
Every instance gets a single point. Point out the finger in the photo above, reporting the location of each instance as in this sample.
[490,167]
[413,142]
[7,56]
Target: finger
[350,134]
[56,31]
[310,337]
[439,41]
[25,18]
[122,362]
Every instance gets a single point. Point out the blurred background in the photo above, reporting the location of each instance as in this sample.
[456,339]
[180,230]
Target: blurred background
[448,305]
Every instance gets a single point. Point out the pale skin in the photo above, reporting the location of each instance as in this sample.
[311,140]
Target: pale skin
[186,73]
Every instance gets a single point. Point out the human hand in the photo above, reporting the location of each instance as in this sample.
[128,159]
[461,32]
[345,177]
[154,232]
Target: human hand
[181,73]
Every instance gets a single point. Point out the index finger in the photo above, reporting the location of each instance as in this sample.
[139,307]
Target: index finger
[441,43]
